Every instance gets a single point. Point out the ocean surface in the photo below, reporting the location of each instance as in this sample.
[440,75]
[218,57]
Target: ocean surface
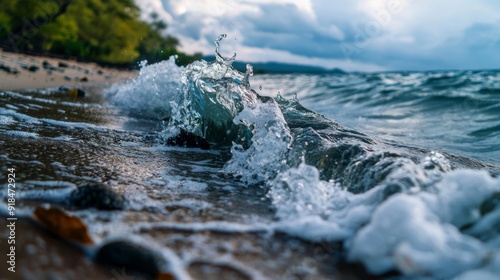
[344,176]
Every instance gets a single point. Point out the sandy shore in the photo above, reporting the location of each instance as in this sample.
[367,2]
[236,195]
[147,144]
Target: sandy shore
[20,71]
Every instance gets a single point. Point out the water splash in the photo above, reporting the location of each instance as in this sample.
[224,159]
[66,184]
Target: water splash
[216,102]
[149,94]
[219,58]
[248,74]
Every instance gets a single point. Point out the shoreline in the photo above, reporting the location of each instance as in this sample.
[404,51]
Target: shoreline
[21,71]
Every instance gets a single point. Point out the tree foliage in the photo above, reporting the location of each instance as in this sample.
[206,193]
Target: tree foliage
[107,31]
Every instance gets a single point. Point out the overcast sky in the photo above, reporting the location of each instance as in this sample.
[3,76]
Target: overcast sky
[355,35]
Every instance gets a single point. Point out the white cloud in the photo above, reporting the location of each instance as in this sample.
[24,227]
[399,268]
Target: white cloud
[386,34]
[150,6]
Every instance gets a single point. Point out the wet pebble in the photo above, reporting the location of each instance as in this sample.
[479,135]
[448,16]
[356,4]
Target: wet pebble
[188,139]
[32,68]
[97,196]
[125,254]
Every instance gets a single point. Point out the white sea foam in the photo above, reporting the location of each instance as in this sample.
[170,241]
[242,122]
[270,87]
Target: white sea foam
[11,107]
[75,125]
[193,204]
[405,234]
[20,116]
[5,120]
[270,141]
[416,233]
[316,210]
[50,184]
[24,134]
[150,93]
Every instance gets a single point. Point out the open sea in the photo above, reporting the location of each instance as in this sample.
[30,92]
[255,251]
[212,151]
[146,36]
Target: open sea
[329,176]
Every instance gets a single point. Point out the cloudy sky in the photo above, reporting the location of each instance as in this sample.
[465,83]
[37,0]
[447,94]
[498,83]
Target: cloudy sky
[355,35]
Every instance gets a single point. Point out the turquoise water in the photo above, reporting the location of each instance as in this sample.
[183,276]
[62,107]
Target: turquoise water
[454,111]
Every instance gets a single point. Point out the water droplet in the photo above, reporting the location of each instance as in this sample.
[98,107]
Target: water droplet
[250,69]
[260,87]
[248,74]
[219,58]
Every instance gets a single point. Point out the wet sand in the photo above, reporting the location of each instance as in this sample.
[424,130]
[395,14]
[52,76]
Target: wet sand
[20,71]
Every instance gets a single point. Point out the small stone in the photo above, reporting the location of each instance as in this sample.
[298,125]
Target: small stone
[33,68]
[46,65]
[188,139]
[5,68]
[125,254]
[97,196]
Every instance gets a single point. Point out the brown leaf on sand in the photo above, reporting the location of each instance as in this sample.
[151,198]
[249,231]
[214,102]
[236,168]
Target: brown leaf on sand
[64,225]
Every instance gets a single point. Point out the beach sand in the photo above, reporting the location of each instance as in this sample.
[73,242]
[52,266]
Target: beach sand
[20,71]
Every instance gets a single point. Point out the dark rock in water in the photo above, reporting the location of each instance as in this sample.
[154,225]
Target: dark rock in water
[33,68]
[188,139]
[67,78]
[46,65]
[99,72]
[125,254]
[97,196]
[84,79]
[63,65]
[8,69]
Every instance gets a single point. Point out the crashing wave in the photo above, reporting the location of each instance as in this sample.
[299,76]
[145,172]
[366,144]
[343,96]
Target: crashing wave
[395,207]
[217,103]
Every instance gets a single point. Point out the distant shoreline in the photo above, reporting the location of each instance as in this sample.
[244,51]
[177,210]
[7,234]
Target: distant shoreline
[26,71]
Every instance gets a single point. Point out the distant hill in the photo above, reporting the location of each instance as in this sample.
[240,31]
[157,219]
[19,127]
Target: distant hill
[280,68]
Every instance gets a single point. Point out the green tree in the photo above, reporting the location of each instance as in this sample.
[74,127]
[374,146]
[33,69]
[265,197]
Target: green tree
[106,31]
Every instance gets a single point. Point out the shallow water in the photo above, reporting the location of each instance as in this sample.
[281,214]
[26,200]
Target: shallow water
[398,184]
[177,201]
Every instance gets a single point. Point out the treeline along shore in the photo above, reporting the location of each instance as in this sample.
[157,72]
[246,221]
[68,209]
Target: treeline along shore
[109,32]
